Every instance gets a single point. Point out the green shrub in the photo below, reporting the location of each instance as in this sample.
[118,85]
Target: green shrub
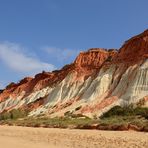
[126,111]
[17,113]
[5,116]
[13,114]
[141,111]
[117,110]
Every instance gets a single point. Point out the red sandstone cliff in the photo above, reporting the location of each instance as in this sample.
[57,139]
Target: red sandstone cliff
[134,49]
[87,64]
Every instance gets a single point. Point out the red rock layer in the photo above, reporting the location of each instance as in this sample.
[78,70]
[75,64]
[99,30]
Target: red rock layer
[135,49]
[34,105]
[91,59]
[88,63]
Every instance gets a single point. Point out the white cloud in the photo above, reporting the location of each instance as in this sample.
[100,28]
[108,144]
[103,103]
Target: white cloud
[62,54]
[15,57]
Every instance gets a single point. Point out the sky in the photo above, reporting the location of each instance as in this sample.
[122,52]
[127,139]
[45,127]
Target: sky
[37,35]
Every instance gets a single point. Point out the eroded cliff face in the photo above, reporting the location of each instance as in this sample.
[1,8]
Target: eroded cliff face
[134,49]
[97,80]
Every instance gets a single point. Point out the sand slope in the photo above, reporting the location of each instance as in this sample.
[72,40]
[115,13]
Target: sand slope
[24,137]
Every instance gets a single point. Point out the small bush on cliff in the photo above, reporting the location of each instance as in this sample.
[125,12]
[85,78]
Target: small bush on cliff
[141,111]
[13,114]
[17,113]
[5,116]
[126,111]
[115,111]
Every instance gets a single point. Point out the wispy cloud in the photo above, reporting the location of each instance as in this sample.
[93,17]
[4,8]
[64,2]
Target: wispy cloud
[15,57]
[62,55]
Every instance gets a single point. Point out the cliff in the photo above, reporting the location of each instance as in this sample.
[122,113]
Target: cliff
[134,49]
[95,82]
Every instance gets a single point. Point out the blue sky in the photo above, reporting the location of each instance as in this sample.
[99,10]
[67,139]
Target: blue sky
[38,35]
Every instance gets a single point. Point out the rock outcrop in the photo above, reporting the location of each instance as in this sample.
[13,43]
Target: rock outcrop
[134,49]
[95,82]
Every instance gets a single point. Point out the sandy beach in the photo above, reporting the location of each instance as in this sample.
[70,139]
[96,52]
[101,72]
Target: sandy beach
[24,137]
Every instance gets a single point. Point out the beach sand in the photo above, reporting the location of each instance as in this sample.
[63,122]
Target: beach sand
[27,137]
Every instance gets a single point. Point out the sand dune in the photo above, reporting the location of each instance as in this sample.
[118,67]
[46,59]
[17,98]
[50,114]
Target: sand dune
[25,137]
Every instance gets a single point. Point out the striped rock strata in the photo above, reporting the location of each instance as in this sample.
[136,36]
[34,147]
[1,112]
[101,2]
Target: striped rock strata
[95,82]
